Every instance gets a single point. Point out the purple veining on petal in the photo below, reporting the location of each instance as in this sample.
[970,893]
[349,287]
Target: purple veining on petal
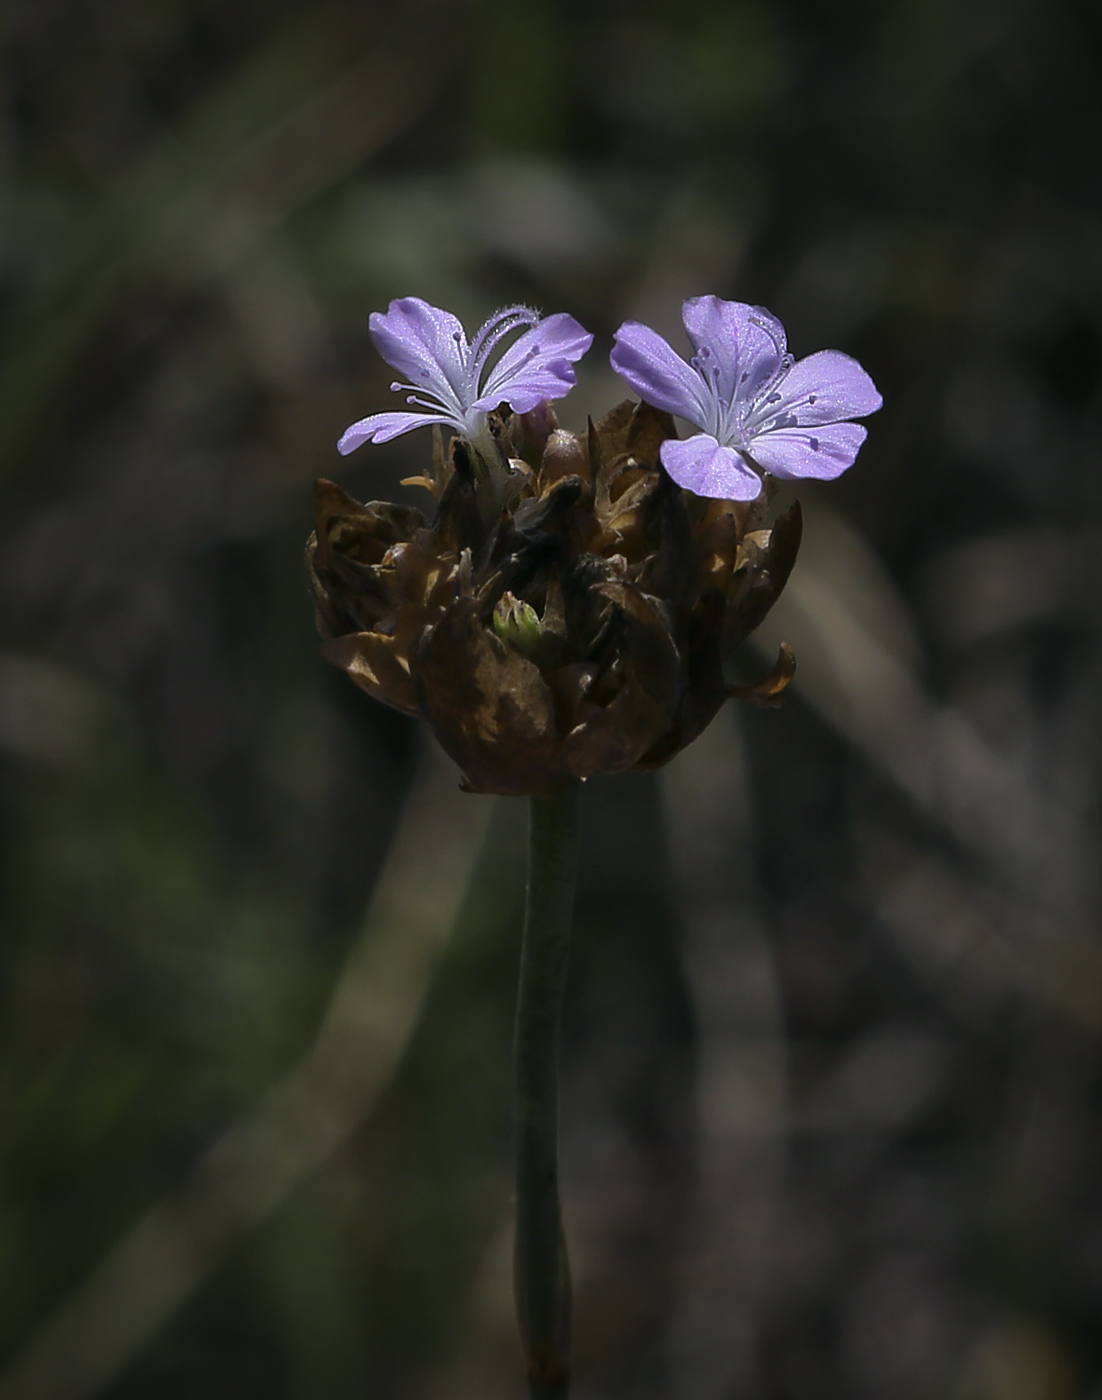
[703,466]
[750,399]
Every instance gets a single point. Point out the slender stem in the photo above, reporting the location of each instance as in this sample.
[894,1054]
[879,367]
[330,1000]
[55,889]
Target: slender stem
[541,1270]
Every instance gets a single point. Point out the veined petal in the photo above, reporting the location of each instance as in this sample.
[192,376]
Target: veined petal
[544,353]
[705,467]
[658,374]
[531,386]
[739,347]
[381,427]
[821,452]
[424,343]
[821,388]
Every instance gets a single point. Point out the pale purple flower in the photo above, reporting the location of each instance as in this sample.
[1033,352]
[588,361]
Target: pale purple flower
[757,408]
[450,377]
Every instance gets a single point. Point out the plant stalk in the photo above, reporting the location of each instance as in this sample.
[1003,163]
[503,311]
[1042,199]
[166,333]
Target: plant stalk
[541,1273]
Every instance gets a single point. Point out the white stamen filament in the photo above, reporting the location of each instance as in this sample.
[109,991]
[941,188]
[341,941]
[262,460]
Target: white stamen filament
[510,318]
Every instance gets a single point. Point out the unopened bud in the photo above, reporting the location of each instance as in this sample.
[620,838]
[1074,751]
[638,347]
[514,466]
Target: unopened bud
[563,455]
[533,429]
[518,624]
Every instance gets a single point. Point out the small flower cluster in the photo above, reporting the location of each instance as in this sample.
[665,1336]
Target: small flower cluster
[569,607]
[756,407]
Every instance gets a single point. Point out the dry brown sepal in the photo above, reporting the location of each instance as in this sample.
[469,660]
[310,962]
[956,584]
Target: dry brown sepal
[583,631]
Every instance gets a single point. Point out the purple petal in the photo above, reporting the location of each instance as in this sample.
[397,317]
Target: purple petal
[822,388]
[424,343]
[657,373]
[381,427]
[739,346]
[531,387]
[538,365]
[702,466]
[823,452]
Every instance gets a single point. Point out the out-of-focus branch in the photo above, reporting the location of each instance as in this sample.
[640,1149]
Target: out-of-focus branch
[741,1112]
[858,669]
[297,118]
[302,1119]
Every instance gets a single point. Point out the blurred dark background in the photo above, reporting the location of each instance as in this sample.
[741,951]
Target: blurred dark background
[833,1103]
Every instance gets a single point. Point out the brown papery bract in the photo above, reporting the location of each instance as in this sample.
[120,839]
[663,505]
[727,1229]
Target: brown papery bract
[583,631]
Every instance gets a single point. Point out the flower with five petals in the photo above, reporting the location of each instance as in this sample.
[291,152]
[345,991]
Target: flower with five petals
[451,379]
[757,408]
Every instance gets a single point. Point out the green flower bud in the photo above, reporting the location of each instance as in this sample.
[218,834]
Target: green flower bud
[518,623]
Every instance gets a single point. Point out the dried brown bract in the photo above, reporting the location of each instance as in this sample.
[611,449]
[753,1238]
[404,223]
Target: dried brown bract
[582,631]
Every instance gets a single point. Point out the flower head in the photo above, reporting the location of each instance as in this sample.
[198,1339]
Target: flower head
[450,378]
[583,629]
[757,408]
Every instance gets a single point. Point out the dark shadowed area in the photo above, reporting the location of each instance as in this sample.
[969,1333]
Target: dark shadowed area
[833,1054]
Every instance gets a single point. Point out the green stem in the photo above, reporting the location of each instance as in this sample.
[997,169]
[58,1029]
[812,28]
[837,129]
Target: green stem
[541,1271]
